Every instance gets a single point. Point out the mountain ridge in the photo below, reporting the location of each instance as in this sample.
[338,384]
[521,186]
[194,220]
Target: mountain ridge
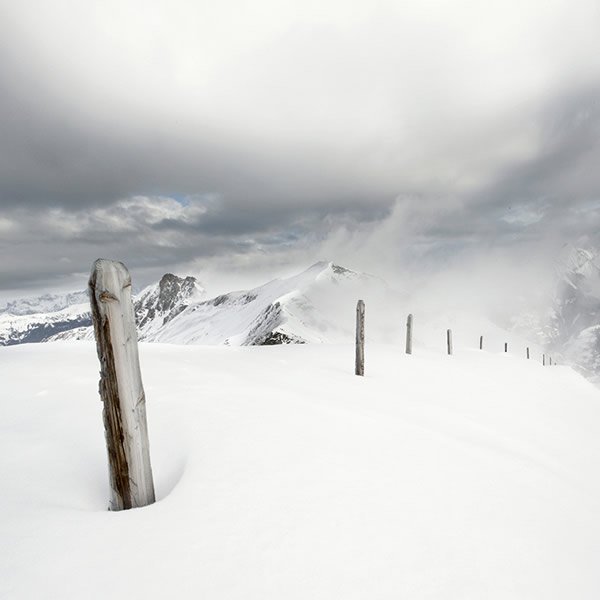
[295,309]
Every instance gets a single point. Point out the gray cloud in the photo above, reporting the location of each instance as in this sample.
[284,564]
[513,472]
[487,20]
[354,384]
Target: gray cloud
[180,134]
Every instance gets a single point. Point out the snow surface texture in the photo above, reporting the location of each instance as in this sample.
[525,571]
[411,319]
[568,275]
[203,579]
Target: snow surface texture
[280,474]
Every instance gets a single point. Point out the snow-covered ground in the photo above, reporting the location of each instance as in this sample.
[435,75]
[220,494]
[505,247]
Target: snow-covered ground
[281,475]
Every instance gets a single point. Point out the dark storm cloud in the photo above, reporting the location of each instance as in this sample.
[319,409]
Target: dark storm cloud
[172,133]
[565,166]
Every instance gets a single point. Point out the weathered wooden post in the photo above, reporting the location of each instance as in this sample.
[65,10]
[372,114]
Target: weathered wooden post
[360,339]
[544,360]
[481,342]
[505,346]
[121,387]
[527,352]
[409,326]
[449,340]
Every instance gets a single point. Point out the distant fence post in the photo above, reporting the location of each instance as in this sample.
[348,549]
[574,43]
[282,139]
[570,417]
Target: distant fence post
[449,340]
[481,342]
[121,387]
[543,359]
[550,361]
[409,327]
[505,346]
[527,352]
[360,338]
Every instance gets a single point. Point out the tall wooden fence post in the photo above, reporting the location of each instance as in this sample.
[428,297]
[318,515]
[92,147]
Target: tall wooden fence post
[481,342]
[360,339]
[121,387]
[409,327]
[449,340]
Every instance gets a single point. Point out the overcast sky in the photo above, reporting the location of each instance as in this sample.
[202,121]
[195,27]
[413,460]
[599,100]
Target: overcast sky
[256,137]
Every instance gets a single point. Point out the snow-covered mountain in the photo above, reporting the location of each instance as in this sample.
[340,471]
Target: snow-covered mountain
[567,327]
[67,320]
[299,309]
[38,319]
[313,306]
[575,317]
[40,327]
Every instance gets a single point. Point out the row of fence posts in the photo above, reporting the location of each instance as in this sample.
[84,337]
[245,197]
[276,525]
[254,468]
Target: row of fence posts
[360,340]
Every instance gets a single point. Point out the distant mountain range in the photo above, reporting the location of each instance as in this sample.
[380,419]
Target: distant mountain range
[299,309]
[315,305]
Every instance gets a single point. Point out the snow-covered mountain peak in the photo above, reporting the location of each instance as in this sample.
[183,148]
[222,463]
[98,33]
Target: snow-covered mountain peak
[159,303]
[171,290]
[326,268]
[322,272]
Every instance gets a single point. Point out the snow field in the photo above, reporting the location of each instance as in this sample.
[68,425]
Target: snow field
[280,474]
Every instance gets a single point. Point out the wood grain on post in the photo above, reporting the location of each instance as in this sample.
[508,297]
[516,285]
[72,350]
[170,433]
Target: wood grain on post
[481,342]
[409,326]
[121,387]
[360,339]
[449,340]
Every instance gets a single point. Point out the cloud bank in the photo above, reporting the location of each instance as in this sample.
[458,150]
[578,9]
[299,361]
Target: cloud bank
[399,137]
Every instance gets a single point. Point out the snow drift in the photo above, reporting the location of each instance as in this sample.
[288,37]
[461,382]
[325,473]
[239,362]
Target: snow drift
[280,474]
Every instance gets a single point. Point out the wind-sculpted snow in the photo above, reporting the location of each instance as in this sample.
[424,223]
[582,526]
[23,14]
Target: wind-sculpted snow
[280,474]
